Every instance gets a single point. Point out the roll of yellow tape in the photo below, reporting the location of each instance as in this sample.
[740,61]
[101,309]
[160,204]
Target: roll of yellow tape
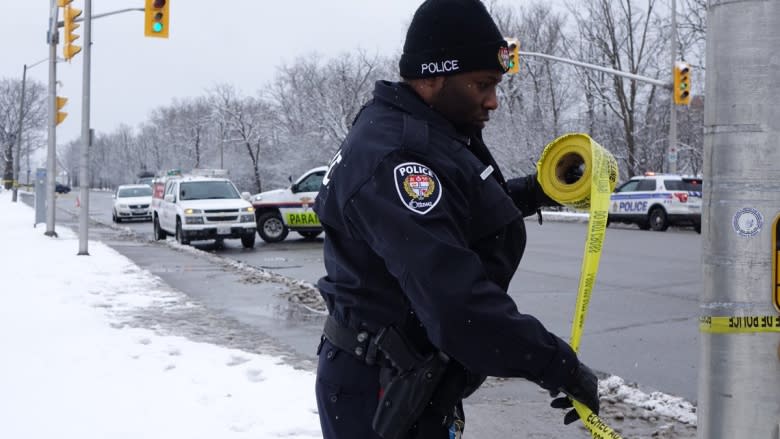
[572,150]
[591,191]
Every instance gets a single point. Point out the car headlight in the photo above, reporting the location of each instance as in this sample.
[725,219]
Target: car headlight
[247,218]
[248,209]
[193,220]
[123,206]
[192,211]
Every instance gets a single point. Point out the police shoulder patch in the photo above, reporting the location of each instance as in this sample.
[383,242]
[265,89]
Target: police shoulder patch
[418,186]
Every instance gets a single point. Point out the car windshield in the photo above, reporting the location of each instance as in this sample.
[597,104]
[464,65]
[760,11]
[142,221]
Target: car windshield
[206,190]
[686,184]
[134,192]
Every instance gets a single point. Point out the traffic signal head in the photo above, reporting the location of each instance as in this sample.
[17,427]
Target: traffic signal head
[514,56]
[156,18]
[681,88]
[70,14]
[61,115]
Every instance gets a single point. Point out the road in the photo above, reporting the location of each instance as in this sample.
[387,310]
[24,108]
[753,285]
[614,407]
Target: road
[643,312]
[641,325]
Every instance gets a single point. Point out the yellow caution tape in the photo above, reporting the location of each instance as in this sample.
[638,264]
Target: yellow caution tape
[739,324]
[591,191]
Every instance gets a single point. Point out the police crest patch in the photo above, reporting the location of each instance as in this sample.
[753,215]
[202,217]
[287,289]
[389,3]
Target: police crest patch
[504,58]
[418,186]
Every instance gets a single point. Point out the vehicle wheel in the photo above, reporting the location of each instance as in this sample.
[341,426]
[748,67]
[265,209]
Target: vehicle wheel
[271,228]
[657,219]
[310,235]
[697,227]
[158,232]
[113,216]
[248,241]
[180,234]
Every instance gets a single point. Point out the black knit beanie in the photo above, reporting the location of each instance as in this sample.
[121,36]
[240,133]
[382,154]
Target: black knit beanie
[452,36]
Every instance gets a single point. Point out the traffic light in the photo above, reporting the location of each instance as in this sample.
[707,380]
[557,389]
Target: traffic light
[682,83]
[61,115]
[70,14]
[156,21]
[514,56]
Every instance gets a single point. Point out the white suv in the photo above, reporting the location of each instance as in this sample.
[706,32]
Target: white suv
[281,210]
[199,208]
[656,201]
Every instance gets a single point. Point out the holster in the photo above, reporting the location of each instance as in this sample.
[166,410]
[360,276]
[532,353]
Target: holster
[412,382]
[407,395]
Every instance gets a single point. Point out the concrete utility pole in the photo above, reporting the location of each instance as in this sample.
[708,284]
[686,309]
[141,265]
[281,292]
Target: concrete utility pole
[86,138]
[739,361]
[51,154]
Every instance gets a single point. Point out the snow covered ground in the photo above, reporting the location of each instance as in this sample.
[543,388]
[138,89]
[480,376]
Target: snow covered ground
[71,367]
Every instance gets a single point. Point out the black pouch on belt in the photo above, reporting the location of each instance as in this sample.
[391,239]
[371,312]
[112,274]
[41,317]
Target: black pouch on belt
[407,395]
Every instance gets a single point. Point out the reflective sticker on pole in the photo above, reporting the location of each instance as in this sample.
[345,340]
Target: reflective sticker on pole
[776,263]
[739,324]
[591,191]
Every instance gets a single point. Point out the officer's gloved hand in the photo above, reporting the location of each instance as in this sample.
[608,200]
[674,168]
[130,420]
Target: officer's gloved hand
[573,173]
[528,194]
[584,387]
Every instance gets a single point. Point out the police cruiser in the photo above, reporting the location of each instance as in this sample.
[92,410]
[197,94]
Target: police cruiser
[281,210]
[657,201]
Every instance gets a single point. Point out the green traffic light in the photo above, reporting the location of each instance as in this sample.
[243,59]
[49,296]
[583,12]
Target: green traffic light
[157,28]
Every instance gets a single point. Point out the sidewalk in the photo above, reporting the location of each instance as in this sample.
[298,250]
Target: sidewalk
[73,368]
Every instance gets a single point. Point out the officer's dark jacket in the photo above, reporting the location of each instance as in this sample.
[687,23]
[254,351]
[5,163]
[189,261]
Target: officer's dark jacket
[386,249]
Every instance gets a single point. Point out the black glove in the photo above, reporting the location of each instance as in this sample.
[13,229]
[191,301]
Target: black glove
[573,173]
[528,195]
[584,387]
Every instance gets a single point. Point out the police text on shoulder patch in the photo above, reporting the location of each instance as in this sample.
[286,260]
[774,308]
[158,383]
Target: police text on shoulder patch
[418,186]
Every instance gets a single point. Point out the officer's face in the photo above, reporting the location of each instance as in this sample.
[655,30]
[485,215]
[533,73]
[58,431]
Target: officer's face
[467,99]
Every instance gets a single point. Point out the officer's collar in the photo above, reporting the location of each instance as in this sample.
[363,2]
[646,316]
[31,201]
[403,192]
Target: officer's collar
[403,96]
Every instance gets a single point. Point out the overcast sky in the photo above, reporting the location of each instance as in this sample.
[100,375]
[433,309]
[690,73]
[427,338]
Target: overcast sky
[241,43]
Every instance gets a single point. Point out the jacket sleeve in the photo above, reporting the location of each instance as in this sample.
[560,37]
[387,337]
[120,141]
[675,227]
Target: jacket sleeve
[465,314]
[528,194]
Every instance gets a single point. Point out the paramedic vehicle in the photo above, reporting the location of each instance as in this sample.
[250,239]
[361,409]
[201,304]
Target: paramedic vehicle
[281,210]
[657,201]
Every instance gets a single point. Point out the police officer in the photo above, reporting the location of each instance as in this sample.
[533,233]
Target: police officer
[423,235]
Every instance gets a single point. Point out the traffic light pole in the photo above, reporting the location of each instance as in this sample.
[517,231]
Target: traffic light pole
[85,133]
[640,78]
[51,155]
[671,153]
[739,340]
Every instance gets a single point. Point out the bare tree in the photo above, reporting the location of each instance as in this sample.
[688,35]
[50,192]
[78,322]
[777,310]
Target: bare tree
[626,37]
[315,102]
[247,120]
[33,119]
[533,103]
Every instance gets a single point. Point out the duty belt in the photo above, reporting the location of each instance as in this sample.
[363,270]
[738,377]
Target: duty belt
[388,343]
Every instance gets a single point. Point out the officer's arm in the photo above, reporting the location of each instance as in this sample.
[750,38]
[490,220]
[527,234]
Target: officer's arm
[465,314]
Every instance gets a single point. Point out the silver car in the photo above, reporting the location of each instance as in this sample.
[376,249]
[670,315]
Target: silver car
[132,201]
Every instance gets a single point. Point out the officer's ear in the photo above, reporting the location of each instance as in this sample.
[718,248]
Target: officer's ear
[427,88]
